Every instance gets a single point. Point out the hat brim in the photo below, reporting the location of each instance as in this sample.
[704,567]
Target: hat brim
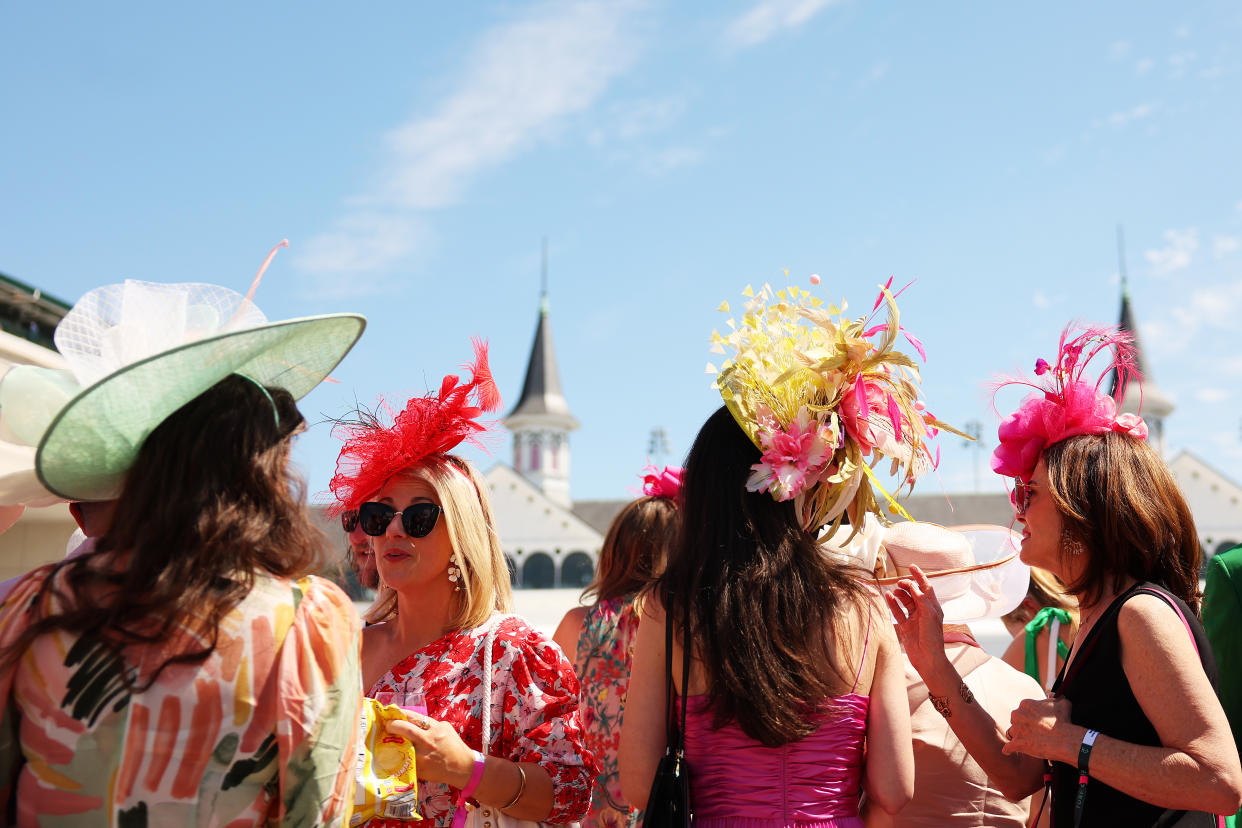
[92,442]
[993,587]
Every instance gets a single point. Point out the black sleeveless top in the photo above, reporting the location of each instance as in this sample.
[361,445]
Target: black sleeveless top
[1102,700]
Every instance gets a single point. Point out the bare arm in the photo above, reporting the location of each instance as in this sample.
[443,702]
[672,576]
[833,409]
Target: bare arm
[643,727]
[569,630]
[889,773]
[1196,767]
[920,626]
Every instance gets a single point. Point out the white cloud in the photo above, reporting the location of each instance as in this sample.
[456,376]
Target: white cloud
[1231,366]
[638,118]
[878,72]
[1223,246]
[1136,113]
[1182,31]
[1177,255]
[669,159]
[1119,49]
[1043,301]
[360,242]
[1143,66]
[765,19]
[1212,395]
[522,80]
[1180,62]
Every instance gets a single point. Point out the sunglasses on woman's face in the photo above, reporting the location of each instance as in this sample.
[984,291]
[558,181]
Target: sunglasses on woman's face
[349,520]
[418,519]
[1021,496]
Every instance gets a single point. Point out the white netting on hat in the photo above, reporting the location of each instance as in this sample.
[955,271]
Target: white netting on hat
[117,325]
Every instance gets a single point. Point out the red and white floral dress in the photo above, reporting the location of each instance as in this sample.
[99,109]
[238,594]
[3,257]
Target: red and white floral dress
[534,712]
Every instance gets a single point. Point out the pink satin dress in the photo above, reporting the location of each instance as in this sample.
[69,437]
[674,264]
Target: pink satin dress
[814,782]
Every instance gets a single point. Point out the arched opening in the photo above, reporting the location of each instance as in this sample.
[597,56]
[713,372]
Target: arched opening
[538,572]
[577,570]
[1224,546]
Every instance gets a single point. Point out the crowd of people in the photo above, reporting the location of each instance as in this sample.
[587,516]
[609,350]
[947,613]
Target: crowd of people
[769,640]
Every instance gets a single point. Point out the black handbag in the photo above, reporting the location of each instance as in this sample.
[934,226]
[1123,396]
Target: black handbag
[668,804]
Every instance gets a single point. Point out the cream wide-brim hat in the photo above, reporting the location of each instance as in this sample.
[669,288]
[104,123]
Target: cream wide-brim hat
[94,436]
[974,569]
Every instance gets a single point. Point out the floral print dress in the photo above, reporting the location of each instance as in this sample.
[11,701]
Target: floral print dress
[534,710]
[602,662]
[263,732]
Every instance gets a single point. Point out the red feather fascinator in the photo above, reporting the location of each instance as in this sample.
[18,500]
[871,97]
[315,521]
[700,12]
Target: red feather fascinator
[1067,404]
[435,423]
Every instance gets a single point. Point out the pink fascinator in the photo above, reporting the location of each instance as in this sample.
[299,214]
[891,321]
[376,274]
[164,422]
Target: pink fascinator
[1067,404]
[664,482]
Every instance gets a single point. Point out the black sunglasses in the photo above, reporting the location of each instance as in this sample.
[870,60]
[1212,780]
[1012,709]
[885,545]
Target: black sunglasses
[349,520]
[418,519]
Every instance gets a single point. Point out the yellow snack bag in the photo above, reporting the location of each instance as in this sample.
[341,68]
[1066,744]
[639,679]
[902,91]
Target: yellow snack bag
[385,784]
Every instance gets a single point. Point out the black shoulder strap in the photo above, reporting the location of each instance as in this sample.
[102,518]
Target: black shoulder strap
[675,728]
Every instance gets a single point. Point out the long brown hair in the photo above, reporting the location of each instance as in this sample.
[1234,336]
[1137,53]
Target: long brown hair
[1119,500]
[208,503]
[768,610]
[633,551]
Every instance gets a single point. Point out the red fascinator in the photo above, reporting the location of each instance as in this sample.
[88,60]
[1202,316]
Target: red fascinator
[435,423]
[1068,405]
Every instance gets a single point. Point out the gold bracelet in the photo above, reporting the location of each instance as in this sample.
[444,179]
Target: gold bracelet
[941,703]
[521,788]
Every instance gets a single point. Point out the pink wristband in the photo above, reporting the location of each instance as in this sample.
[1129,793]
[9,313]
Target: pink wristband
[480,762]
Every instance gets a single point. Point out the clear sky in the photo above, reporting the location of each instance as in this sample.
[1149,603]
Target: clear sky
[415,153]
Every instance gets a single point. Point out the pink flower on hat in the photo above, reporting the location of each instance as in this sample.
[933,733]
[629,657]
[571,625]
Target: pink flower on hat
[794,458]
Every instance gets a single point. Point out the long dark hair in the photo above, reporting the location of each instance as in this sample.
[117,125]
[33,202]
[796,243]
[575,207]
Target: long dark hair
[1119,500]
[634,548]
[767,609]
[208,503]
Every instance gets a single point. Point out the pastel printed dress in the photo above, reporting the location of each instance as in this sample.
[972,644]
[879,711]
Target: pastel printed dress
[261,733]
[602,662]
[534,711]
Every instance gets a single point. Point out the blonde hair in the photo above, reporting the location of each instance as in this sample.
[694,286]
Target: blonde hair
[1046,590]
[467,514]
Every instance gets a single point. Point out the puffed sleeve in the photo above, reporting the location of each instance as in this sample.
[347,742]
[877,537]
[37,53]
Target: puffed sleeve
[541,719]
[14,608]
[320,688]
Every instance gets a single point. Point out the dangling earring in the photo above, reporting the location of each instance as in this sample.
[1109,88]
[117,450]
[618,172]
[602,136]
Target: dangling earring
[454,575]
[1069,543]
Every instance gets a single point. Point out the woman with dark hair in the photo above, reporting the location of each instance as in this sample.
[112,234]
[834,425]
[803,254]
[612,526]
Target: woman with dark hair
[600,637]
[792,664]
[1134,731]
[187,670]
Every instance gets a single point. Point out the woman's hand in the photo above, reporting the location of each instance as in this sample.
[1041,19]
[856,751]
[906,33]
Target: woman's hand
[440,753]
[1042,728]
[920,621]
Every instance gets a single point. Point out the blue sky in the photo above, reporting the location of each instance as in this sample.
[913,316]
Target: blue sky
[415,154]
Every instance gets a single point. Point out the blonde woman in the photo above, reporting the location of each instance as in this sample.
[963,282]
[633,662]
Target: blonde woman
[444,587]
[1043,627]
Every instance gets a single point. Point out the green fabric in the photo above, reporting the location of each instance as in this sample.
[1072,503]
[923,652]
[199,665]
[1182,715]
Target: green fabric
[1222,620]
[1041,620]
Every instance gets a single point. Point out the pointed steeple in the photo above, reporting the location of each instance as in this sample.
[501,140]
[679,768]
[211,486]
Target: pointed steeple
[541,422]
[1155,404]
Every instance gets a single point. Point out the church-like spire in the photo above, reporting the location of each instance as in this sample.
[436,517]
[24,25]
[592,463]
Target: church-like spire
[541,422]
[1155,404]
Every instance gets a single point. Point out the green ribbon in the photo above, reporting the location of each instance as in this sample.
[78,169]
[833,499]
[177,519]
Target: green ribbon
[1042,619]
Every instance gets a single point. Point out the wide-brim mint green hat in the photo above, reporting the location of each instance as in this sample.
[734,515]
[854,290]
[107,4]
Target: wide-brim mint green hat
[93,434]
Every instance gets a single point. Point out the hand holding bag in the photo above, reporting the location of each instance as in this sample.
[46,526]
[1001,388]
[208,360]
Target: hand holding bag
[668,804]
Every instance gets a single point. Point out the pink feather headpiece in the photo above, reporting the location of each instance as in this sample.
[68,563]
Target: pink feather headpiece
[1067,404]
[664,482]
[435,423]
